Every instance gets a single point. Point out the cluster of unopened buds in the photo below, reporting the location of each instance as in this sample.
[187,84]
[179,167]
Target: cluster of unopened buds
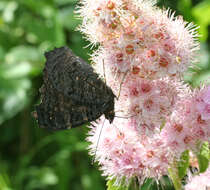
[143,52]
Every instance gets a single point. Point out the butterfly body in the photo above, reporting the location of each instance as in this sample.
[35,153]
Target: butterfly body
[72,94]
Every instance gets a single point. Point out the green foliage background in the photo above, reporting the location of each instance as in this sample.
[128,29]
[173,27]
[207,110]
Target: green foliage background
[33,158]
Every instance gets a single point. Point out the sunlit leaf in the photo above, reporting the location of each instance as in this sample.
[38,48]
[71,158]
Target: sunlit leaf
[149,184]
[202,78]
[112,185]
[48,176]
[204,157]
[9,10]
[185,7]
[13,98]
[183,164]
[202,14]
[68,18]
[23,54]
[174,176]
[43,8]
[123,184]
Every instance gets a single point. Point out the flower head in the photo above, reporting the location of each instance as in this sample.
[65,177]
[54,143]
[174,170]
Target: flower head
[200,181]
[189,123]
[203,104]
[143,52]
[138,34]
[123,152]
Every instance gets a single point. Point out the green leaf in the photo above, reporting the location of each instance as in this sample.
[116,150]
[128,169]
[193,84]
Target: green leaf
[64,2]
[9,11]
[130,185]
[39,29]
[202,78]
[12,71]
[149,184]
[42,8]
[23,54]
[2,53]
[183,164]
[14,97]
[174,175]
[47,176]
[68,19]
[202,14]
[162,124]
[22,61]
[111,185]
[4,182]
[59,32]
[185,7]
[203,57]
[40,178]
[203,157]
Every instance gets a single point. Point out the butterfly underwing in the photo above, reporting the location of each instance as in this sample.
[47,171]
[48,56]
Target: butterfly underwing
[72,94]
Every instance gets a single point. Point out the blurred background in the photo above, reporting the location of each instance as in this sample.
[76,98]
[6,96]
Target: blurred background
[35,159]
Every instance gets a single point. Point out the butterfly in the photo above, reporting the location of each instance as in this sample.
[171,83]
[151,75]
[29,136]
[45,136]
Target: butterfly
[72,94]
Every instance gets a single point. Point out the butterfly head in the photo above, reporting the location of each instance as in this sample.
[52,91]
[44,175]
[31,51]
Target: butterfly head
[110,115]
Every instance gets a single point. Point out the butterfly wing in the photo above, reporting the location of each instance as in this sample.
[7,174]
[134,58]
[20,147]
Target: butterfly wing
[72,93]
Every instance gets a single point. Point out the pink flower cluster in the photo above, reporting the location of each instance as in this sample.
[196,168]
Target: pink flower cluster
[139,37]
[189,123]
[123,152]
[152,101]
[200,182]
[143,53]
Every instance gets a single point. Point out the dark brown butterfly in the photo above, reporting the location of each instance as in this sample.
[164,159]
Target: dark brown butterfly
[72,94]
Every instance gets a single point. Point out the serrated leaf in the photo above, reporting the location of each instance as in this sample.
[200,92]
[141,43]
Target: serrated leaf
[203,157]
[174,176]
[130,185]
[133,185]
[111,185]
[149,184]
[183,164]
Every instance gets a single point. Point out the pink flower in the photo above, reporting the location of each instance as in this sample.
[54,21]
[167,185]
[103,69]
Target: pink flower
[152,101]
[199,182]
[140,35]
[123,152]
[143,52]
[189,122]
[203,104]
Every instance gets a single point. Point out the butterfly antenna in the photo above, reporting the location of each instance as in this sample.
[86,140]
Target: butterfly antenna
[125,117]
[121,83]
[98,141]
